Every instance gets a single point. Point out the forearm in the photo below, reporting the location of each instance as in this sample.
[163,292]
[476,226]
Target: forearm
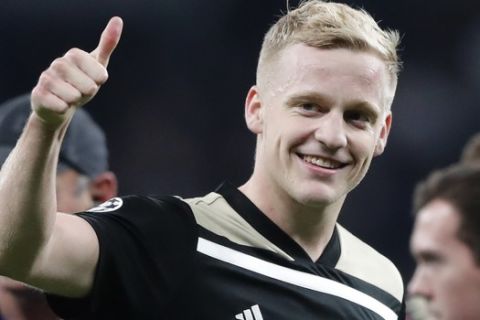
[28,197]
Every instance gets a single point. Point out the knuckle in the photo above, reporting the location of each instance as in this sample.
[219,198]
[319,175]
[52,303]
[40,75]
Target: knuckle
[59,65]
[76,56]
[73,53]
[102,77]
[73,97]
[76,96]
[45,80]
[37,92]
[91,90]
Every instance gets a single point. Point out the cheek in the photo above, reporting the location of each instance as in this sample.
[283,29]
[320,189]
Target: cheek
[457,298]
[286,133]
[455,286]
[83,202]
[65,202]
[362,145]
[462,280]
[68,202]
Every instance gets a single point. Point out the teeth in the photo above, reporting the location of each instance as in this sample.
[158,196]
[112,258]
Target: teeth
[322,162]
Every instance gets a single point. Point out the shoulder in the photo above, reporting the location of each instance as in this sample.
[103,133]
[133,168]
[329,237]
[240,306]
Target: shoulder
[140,205]
[212,212]
[142,212]
[362,261]
[208,204]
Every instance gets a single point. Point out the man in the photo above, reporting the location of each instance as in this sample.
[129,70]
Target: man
[418,303]
[270,249]
[446,243]
[82,179]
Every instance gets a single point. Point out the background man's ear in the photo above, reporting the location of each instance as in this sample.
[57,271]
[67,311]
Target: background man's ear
[382,139]
[104,187]
[254,111]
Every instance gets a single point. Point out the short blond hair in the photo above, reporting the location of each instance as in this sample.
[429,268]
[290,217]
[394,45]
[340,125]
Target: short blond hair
[323,24]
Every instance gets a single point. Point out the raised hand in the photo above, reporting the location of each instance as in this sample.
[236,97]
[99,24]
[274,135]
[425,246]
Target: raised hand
[72,80]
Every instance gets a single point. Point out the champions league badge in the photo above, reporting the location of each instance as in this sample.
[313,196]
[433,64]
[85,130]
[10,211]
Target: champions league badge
[110,205]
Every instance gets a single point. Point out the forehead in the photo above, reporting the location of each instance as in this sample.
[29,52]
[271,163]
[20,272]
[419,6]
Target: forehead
[344,72]
[328,62]
[436,226]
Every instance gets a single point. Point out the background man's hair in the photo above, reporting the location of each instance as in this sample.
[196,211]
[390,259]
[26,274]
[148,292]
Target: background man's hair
[459,185]
[323,24]
[471,151]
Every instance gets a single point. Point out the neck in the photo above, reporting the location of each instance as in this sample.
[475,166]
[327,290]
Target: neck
[310,225]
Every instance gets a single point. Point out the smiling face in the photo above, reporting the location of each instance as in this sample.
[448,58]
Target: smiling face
[320,116]
[447,276]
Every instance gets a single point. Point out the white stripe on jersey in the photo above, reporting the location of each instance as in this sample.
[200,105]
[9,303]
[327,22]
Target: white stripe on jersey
[298,278]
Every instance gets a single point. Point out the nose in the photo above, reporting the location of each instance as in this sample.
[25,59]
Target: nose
[419,285]
[330,130]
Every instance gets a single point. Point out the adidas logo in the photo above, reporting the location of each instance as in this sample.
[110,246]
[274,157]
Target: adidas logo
[252,313]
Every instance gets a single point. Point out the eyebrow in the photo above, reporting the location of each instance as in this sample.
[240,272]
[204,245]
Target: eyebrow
[372,110]
[366,107]
[427,255]
[310,95]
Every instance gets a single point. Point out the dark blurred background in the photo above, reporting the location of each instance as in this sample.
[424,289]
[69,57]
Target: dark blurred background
[173,107]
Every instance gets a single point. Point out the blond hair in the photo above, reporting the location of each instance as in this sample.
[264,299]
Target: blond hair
[323,24]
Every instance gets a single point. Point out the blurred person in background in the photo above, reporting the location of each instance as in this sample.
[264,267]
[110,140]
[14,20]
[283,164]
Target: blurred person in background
[418,303]
[446,245]
[83,180]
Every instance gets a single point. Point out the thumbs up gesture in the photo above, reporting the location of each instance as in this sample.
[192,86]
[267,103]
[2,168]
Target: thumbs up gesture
[72,80]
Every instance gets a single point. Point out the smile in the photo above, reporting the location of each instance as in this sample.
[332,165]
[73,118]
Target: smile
[322,162]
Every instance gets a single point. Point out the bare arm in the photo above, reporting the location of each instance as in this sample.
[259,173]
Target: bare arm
[53,251]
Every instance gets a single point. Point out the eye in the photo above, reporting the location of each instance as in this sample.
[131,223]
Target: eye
[430,259]
[358,118]
[308,108]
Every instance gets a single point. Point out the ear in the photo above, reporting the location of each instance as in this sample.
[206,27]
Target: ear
[104,186]
[384,132]
[253,111]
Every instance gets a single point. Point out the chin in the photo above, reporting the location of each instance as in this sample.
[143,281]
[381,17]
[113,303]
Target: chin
[316,200]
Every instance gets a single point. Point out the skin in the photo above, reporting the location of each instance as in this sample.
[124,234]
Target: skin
[447,276]
[75,193]
[326,103]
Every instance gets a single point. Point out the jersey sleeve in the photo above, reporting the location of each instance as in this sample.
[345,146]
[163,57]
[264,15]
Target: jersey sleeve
[147,248]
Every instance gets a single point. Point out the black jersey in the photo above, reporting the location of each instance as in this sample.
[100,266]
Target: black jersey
[220,257]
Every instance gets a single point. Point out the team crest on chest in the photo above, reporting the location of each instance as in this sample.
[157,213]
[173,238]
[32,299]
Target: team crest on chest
[110,205]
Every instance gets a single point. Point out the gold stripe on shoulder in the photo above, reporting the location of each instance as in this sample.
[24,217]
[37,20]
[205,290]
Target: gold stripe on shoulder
[362,261]
[213,213]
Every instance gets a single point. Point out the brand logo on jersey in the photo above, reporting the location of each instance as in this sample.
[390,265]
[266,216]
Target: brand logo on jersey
[252,313]
[110,205]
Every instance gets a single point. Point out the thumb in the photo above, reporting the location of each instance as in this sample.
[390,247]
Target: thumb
[108,41]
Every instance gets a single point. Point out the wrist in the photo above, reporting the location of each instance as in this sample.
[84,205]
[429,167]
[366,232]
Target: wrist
[49,123]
